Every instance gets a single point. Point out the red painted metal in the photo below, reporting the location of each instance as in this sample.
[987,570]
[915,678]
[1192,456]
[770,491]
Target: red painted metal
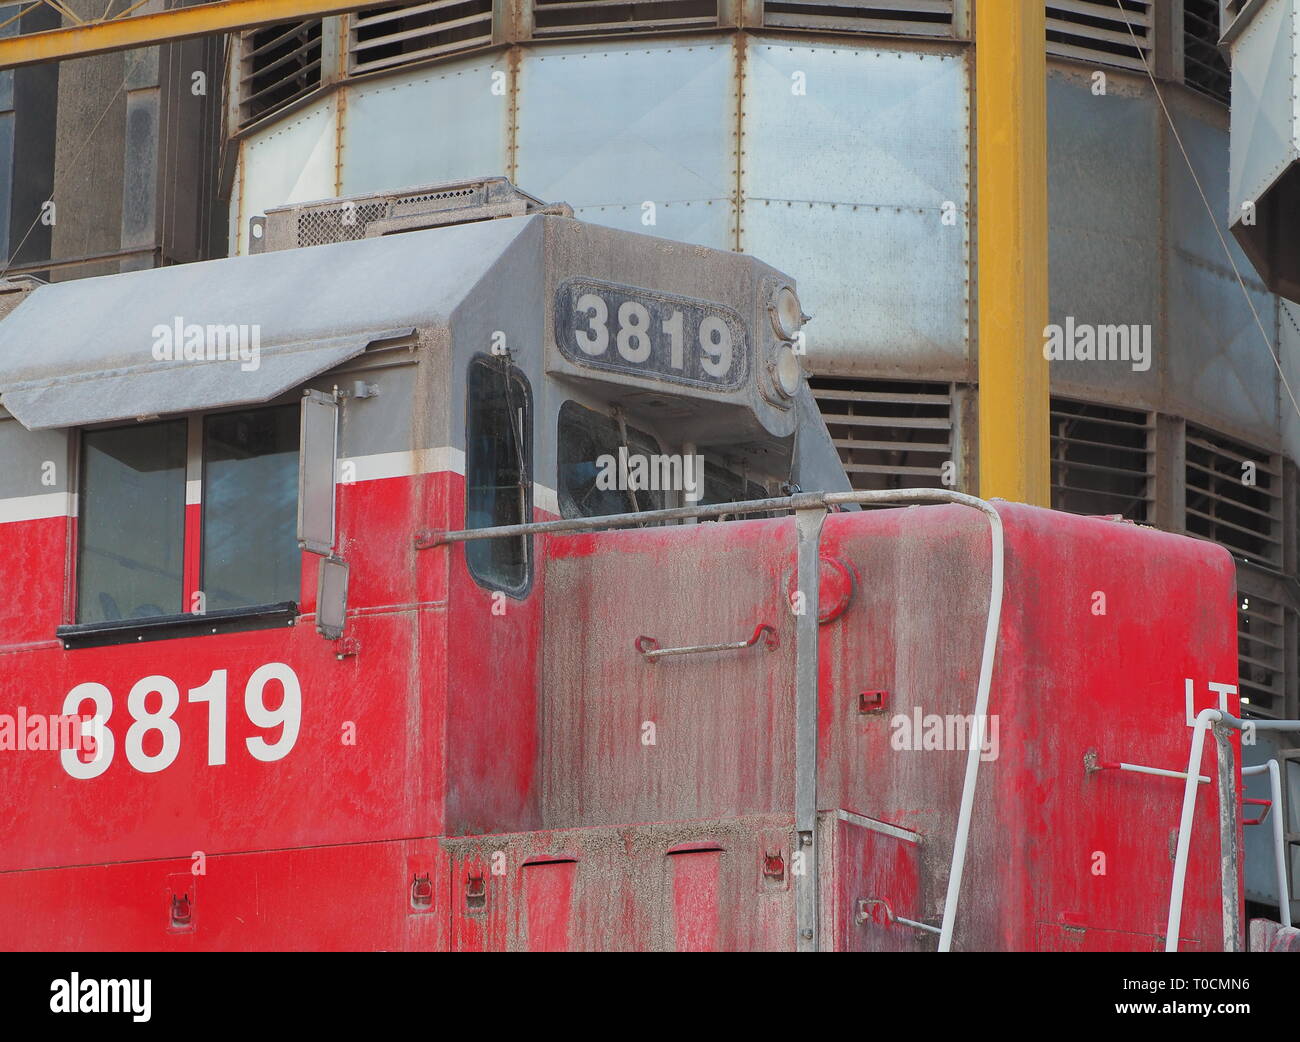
[470,780]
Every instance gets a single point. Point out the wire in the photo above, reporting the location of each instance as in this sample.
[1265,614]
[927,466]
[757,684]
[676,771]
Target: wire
[1277,363]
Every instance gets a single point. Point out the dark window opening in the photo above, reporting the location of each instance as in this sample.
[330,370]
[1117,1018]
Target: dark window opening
[589,445]
[1204,68]
[723,485]
[281,63]
[133,567]
[132,522]
[498,469]
[250,508]
[1101,459]
[385,37]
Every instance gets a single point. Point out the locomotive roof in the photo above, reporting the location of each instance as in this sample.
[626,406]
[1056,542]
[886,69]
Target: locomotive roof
[82,352]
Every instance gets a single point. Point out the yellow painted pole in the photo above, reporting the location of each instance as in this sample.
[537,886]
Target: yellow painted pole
[142,30]
[1011,173]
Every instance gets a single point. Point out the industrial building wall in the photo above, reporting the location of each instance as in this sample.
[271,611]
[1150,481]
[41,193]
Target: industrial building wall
[125,146]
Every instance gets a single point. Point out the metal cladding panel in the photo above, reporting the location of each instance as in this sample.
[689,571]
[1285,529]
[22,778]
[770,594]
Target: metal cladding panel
[658,886]
[334,898]
[1220,365]
[1265,106]
[1064,682]
[291,161]
[846,184]
[398,129]
[1223,369]
[610,130]
[1104,222]
[101,331]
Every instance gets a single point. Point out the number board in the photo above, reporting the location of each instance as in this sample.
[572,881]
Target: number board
[658,336]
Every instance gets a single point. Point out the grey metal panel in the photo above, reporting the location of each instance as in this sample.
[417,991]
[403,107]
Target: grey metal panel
[291,161]
[344,292]
[1223,370]
[844,186]
[1104,216]
[1221,366]
[1264,116]
[711,222]
[608,129]
[440,124]
[886,288]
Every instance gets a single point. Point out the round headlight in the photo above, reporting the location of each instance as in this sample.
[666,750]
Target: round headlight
[787,316]
[787,373]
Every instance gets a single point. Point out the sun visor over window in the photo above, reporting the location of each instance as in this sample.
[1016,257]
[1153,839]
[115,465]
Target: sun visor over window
[162,387]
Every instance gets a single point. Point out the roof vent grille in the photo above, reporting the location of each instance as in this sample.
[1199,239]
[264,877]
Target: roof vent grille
[386,213]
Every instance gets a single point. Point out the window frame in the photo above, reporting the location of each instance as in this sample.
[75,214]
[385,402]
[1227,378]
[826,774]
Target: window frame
[503,364]
[74,634]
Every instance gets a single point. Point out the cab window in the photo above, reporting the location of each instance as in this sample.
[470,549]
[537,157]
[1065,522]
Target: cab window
[588,445]
[134,528]
[131,523]
[498,468]
[250,508]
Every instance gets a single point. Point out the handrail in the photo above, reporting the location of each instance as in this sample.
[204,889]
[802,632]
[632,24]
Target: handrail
[1279,833]
[811,501]
[1204,719]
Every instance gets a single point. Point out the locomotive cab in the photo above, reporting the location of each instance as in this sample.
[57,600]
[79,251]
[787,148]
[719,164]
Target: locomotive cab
[314,704]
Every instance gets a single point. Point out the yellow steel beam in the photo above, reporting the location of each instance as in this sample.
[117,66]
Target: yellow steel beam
[1011,145]
[143,30]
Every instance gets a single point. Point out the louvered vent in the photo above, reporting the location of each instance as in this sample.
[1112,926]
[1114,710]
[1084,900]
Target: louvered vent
[1234,496]
[1101,460]
[278,65]
[616,18]
[1203,66]
[1261,655]
[890,434]
[1098,31]
[910,17]
[387,37]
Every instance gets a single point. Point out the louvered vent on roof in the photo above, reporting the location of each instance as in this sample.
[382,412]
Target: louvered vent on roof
[279,64]
[890,434]
[388,37]
[1203,66]
[1098,31]
[1234,496]
[616,18]
[1101,459]
[1261,655]
[909,17]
